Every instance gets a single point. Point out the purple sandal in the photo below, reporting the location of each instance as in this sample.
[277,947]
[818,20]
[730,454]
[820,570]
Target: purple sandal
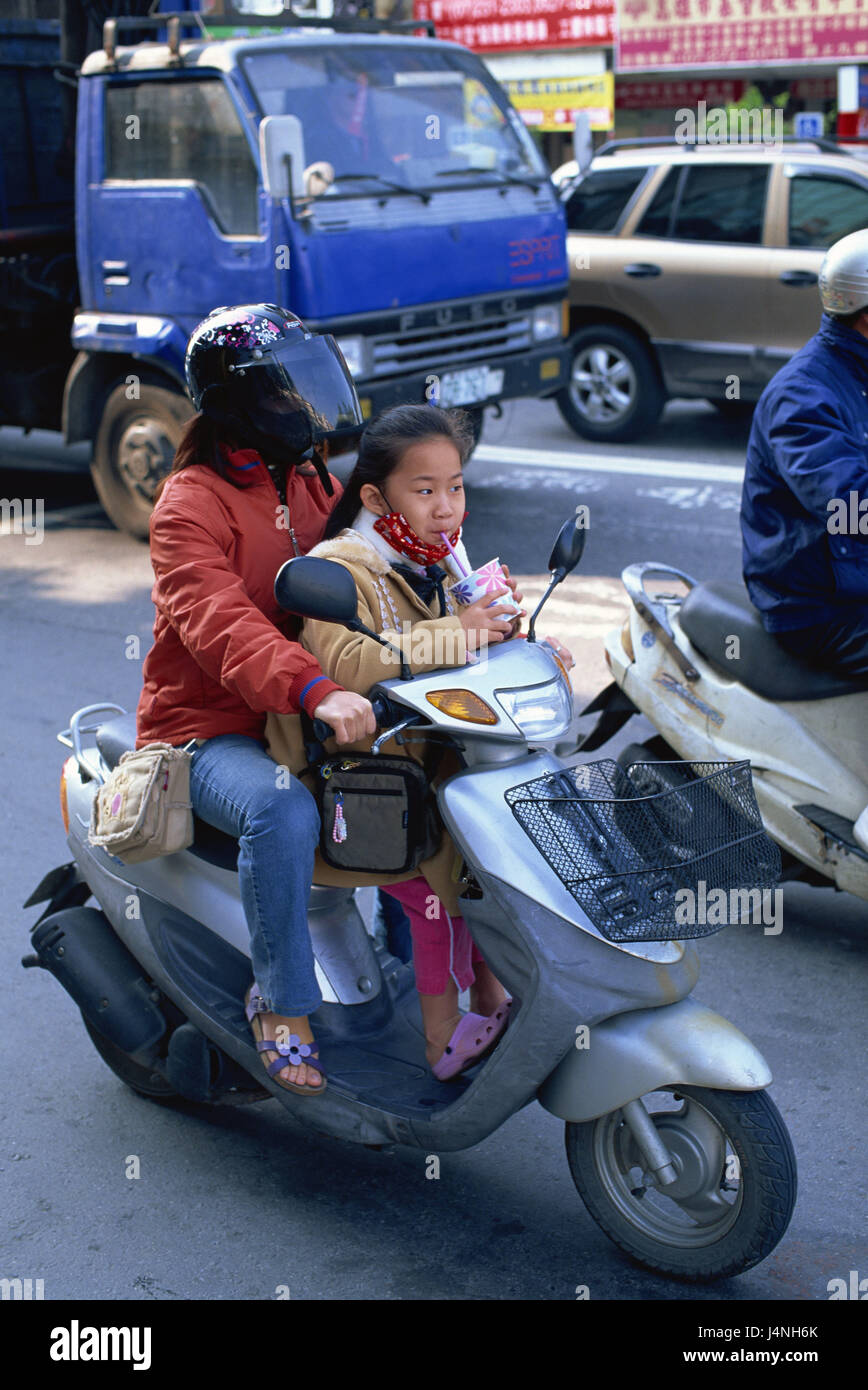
[472,1040]
[291,1053]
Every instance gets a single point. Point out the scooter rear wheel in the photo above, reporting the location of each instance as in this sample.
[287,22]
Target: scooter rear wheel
[143,1080]
[733,1197]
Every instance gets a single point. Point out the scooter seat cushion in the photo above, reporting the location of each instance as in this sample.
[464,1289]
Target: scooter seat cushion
[712,614]
[116,737]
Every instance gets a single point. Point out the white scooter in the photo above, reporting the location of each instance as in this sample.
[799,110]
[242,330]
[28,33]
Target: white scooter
[570,875]
[700,666]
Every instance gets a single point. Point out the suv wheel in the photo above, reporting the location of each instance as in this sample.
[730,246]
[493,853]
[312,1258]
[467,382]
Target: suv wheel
[615,392]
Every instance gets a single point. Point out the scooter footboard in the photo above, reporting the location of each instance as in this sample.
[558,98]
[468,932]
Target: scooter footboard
[633,1053]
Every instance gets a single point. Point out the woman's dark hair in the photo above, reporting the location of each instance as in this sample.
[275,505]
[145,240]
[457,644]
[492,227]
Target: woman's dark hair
[200,443]
[383,444]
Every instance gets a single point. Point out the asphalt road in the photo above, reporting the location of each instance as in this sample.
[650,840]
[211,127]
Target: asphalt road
[234,1203]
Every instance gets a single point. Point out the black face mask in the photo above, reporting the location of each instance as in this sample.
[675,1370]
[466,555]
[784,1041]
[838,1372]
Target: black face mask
[276,452]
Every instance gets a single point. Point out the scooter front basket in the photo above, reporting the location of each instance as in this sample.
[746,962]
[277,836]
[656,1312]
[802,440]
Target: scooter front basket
[654,852]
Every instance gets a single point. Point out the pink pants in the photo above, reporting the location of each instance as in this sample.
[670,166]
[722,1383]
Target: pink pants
[442,945]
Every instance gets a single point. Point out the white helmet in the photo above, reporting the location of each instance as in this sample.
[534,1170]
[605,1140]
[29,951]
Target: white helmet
[844,275]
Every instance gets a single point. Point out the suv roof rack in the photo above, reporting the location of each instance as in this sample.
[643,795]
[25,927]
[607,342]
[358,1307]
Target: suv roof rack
[172,21]
[821,142]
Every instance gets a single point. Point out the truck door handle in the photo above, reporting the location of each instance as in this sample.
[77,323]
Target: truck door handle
[798,277]
[115,273]
[642,269]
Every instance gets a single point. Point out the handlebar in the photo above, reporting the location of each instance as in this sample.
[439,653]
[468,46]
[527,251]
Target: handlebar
[382,713]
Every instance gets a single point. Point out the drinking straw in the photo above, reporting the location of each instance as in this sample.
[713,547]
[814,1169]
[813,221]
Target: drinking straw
[451,548]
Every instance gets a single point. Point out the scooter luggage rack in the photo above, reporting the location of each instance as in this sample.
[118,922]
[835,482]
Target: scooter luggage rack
[624,854]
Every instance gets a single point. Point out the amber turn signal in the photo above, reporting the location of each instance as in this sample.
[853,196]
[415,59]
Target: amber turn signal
[463,704]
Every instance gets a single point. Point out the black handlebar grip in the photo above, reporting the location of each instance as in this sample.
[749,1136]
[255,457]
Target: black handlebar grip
[382,713]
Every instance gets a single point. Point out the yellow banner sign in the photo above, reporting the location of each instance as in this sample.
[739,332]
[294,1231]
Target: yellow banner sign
[548,103]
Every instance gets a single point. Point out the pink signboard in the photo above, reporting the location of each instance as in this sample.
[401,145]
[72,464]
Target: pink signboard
[505,25]
[688,33]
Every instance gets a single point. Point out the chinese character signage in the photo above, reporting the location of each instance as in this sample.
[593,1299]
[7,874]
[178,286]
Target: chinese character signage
[548,103]
[686,33]
[486,25]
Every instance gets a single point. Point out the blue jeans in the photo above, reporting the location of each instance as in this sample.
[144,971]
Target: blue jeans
[237,787]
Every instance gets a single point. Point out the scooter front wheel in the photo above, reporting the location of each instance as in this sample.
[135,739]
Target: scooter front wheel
[733,1195]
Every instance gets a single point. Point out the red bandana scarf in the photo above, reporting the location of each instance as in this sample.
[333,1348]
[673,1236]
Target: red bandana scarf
[397,531]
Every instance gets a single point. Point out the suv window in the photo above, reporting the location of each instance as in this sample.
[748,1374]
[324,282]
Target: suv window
[823,209]
[657,219]
[184,130]
[600,199]
[722,202]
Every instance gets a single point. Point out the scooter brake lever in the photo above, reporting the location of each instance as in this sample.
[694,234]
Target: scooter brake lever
[391,733]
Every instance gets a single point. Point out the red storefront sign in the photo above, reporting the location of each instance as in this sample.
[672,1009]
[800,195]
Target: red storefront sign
[652,96]
[506,25]
[688,33]
[715,91]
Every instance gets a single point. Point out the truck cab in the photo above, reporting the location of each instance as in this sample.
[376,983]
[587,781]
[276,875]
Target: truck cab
[378,184]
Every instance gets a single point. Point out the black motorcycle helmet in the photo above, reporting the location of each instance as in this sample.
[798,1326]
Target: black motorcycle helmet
[263,378]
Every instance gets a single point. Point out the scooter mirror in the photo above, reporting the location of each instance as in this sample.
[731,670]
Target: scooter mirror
[567,549]
[316,588]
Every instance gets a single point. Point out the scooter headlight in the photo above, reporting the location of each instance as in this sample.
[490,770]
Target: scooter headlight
[540,711]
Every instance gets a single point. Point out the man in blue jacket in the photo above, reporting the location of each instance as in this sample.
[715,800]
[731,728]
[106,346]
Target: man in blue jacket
[804,507]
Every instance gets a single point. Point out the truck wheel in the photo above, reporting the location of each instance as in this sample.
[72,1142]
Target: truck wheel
[615,392]
[134,449]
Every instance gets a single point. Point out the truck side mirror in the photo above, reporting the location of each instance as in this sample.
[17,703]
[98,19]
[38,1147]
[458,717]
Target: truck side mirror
[280,136]
[583,142]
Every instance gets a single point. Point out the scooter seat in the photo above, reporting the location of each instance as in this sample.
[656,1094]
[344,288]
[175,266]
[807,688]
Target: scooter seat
[712,614]
[113,739]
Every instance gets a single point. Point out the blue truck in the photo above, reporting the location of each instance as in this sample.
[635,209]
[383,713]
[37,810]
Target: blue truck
[374,180]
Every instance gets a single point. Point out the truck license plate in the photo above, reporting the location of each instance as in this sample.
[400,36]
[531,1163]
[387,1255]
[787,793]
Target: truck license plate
[472,384]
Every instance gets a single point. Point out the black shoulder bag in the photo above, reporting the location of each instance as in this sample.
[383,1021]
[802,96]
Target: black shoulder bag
[378,814]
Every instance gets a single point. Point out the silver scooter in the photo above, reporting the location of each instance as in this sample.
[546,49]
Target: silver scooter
[568,883]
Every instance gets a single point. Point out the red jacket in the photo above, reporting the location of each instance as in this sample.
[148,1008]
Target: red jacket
[224,654]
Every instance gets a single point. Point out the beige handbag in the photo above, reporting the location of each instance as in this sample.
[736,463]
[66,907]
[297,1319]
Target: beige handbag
[143,808]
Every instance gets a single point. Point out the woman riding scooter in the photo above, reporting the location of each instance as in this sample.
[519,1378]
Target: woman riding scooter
[249,489]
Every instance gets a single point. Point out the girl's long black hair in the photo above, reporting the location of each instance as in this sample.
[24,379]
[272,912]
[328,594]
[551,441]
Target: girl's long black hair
[383,444]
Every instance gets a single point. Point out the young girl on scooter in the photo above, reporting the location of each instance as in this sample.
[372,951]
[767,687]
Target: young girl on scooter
[404,494]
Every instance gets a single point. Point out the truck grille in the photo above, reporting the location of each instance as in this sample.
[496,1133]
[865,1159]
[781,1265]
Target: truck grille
[420,348]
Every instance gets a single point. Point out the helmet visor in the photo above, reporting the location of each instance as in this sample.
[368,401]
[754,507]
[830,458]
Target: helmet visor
[307,377]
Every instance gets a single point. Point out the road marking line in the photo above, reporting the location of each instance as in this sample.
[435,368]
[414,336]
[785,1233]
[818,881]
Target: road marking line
[77,511]
[610,463]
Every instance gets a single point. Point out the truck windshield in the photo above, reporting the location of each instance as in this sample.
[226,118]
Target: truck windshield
[403,115]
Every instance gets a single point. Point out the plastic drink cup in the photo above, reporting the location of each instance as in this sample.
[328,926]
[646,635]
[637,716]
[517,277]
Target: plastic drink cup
[487,579]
